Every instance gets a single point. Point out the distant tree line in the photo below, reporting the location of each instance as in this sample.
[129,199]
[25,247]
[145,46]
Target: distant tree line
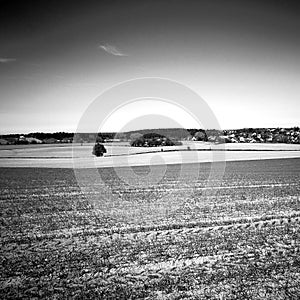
[163,136]
[151,139]
[41,135]
[56,135]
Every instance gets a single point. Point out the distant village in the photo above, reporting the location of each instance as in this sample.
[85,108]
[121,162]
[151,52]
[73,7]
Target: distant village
[260,135]
[160,137]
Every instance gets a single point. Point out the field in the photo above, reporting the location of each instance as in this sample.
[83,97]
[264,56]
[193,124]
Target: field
[237,240]
[121,154]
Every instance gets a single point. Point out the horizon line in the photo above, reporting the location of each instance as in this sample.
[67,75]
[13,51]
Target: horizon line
[160,128]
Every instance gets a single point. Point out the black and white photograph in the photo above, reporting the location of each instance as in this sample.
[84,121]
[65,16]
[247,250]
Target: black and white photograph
[150,149]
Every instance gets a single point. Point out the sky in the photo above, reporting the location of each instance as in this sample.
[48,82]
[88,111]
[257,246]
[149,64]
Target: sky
[56,57]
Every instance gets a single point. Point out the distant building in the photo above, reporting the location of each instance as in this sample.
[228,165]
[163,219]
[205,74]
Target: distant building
[3,142]
[67,140]
[112,140]
[11,140]
[32,140]
[212,138]
[50,141]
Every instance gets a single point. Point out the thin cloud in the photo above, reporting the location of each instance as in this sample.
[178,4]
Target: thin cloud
[112,50]
[6,60]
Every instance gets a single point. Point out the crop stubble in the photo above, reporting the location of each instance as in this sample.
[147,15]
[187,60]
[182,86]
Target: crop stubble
[243,241]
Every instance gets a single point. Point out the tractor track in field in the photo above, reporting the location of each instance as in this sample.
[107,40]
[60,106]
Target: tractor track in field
[207,262]
[160,232]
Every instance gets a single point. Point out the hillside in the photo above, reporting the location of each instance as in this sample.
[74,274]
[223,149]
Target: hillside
[245,135]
